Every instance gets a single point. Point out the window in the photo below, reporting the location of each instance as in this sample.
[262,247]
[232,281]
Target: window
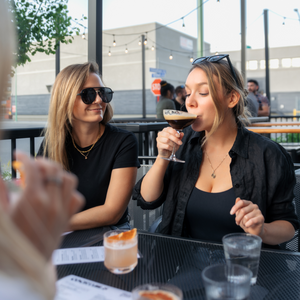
[286,62]
[274,63]
[253,65]
[262,64]
[296,62]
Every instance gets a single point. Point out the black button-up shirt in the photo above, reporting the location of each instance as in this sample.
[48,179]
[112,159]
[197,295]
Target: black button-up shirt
[261,171]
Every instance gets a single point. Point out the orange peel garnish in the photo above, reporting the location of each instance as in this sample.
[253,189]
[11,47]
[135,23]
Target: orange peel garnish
[123,236]
[18,166]
[158,295]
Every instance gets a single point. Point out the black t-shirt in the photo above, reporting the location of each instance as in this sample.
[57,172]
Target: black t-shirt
[117,148]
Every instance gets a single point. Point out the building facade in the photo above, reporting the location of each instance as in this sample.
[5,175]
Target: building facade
[122,69]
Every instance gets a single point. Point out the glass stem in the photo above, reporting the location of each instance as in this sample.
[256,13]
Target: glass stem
[173,150]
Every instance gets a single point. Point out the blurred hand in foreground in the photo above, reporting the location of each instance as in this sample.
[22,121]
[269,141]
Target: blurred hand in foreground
[45,205]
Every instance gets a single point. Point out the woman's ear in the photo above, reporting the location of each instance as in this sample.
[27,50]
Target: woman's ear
[233,99]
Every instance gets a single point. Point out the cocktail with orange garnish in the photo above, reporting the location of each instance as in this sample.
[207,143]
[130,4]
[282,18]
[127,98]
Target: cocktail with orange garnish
[120,251]
[157,291]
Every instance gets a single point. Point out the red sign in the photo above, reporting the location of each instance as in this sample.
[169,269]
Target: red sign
[155,87]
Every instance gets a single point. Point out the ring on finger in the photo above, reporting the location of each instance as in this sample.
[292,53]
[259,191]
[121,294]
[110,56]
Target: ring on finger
[54,180]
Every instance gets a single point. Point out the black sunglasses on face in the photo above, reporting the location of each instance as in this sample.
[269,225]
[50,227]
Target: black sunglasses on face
[89,95]
[216,58]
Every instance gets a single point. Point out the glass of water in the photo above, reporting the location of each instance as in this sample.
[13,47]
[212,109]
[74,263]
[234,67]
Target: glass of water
[222,281]
[243,249]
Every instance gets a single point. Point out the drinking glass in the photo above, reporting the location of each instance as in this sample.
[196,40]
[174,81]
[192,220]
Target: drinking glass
[178,120]
[120,256]
[165,291]
[222,281]
[243,249]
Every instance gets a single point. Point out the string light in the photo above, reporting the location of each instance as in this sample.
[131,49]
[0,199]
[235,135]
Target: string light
[152,48]
[171,56]
[183,25]
[217,53]
[126,50]
[140,43]
[191,59]
[145,40]
[114,42]
[83,35]
[109,53]
[283,23]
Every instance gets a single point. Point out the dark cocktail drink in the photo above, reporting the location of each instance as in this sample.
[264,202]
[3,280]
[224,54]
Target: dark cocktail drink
[178,120]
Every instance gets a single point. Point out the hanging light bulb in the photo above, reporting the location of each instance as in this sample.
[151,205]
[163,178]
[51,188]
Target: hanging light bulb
[183,25]
[109,53]
[145,40]
[140,43]
[83,36]
[126,50]
[217,53]
[191,59]
[283,23]
[152,48]
[171,56]
[114,42]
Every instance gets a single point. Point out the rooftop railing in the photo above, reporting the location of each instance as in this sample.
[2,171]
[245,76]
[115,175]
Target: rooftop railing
[145,131]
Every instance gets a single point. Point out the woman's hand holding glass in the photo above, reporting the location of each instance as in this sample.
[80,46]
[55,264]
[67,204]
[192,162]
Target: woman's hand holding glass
[46,204]
[166,139]
[248,216]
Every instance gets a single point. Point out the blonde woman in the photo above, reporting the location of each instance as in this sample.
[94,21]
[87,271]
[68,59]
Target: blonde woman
[31,228]
[233,180]
[102,156]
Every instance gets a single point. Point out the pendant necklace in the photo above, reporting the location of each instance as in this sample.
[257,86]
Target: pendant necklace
[213,175]
[85,153]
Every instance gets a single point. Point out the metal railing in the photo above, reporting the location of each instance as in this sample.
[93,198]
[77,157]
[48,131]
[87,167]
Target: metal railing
[146,134]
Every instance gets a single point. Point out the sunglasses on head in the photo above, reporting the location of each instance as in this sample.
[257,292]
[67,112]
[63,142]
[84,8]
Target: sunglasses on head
[89,95]
[214,59]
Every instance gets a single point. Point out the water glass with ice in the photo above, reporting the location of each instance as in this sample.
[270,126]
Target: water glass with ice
[243,249]
[222,281]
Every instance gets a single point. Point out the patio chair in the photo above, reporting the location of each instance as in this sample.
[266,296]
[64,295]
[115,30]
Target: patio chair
[294,243]
[142,219]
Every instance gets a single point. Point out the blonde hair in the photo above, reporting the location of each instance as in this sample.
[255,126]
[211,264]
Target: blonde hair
[222,72]
[65,89]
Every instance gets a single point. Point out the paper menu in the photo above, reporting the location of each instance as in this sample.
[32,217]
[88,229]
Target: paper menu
[77,288]
[78,255]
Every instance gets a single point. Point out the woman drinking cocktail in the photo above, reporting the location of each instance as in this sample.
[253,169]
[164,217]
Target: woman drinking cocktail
[233,180]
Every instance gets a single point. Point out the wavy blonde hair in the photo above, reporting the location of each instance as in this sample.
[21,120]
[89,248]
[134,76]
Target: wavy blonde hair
[221,71]
[68,83]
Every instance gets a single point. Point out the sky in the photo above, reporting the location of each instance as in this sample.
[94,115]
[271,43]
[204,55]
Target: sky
[221,19]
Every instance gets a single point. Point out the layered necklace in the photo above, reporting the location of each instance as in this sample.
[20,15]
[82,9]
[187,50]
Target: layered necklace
[85,153]
[213,174]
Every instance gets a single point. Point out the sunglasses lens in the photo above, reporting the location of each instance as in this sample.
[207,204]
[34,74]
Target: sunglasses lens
[216,58]
[106,94]
[199,60]
[88,96]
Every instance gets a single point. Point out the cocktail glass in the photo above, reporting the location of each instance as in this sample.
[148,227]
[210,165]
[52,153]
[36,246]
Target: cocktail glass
[243,249]
[157,291]
[178,120]
[223,281]
[120,256]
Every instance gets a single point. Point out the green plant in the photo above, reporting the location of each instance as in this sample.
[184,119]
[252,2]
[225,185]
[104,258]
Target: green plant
[41,24]
[6,171]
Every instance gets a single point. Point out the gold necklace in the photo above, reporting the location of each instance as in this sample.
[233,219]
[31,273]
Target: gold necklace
[86,151]
[213,175]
